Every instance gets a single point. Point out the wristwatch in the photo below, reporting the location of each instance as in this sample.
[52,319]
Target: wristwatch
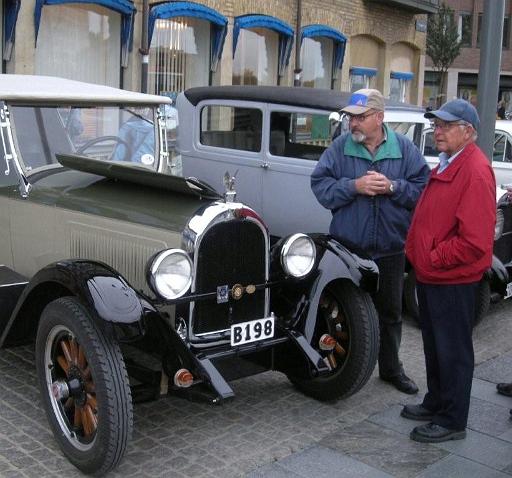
[391,187]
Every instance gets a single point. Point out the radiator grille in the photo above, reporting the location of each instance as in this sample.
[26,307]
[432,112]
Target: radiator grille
[230,253]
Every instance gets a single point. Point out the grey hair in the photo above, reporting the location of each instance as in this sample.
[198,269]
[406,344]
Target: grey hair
[474,136]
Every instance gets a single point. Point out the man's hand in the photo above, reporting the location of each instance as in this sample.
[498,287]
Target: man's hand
[372,184]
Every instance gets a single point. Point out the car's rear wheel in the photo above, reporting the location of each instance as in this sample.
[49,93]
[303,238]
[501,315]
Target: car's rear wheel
[347,314]
[84,387]
[483,298]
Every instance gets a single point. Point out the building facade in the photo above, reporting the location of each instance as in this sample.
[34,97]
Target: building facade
[343,44]
[462,76]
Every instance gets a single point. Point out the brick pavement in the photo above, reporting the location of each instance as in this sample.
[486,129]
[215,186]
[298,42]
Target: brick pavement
[270,429]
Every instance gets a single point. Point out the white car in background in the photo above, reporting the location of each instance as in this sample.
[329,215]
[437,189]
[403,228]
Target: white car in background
[501,155]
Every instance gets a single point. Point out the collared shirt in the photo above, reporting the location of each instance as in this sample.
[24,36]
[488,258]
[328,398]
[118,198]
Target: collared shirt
[445,160]
[388,149]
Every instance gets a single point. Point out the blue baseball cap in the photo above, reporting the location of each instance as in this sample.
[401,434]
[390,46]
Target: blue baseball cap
[456,110]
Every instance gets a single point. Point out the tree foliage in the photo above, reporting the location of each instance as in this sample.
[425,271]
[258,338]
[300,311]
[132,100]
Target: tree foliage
[443,43]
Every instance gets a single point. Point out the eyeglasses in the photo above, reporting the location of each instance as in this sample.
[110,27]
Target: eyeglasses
[446,125]
[360,118]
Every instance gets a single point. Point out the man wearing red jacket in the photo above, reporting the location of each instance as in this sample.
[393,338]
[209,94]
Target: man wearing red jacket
[450,246]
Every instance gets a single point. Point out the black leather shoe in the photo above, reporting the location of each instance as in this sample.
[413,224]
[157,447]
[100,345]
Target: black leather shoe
[432,433]
[402,383]
[417,412]
[504,389]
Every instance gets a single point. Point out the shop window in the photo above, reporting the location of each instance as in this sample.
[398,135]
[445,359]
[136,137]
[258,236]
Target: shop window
[431,89]
[362,78]
[230,127]
[399,86]
[86,46]
[256,57]
[317,62]
[179,57]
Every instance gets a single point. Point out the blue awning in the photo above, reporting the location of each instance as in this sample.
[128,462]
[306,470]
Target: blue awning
[190,9]
[12,7]
[402,75]
[359,70]
[124,7]
[272,23]
[340,40]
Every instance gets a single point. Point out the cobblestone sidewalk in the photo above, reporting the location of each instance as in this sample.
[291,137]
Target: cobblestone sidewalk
[270,429]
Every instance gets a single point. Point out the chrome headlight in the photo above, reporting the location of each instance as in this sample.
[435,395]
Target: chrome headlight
[498,228]
[170,273]
[298,255]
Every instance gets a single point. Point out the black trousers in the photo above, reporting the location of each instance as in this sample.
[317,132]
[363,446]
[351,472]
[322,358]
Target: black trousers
[388,302]
[446,316]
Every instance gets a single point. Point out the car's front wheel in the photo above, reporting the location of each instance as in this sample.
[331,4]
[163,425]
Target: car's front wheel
[347,315]
[84,387]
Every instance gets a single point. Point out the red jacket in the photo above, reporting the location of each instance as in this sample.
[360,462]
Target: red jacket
[451,237]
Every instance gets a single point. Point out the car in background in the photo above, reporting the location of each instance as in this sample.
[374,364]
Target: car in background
[272,138]
[501,155]
[135,284]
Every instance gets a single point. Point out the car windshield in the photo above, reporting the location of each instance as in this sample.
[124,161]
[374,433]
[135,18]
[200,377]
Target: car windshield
[108,133]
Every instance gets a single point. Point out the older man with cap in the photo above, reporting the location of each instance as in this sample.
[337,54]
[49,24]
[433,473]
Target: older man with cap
[370,178]
[450,247]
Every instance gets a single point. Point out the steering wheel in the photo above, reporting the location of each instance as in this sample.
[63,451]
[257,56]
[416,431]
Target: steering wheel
[101,139]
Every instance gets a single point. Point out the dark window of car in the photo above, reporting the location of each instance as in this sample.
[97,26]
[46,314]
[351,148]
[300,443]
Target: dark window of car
[429,149]
[231,127]
[299,135]
[502,148]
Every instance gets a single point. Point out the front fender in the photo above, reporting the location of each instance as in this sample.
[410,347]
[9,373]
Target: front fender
[298,300]
[102,290]
[336,262]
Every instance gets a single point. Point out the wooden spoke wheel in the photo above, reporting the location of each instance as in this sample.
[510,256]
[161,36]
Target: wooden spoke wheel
[84,387]
[346,314]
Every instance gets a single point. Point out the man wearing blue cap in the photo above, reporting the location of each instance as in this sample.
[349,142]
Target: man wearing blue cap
[370,178]
[450,247]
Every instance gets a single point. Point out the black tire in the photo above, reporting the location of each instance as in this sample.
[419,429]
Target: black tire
[346,313]
[411,297]
[93,424]
[483,298]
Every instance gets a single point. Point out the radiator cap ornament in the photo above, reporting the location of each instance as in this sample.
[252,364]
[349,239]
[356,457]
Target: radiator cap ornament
[229,184]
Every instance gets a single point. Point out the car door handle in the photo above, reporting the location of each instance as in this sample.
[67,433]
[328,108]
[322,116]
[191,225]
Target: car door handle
[265,165]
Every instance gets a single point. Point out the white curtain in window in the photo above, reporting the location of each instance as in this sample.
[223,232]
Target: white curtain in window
[80,42]
[317,61]
[399,90]
[256,57]
[359,82]
[179,57]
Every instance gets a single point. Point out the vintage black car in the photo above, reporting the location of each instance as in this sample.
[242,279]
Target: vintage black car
[136,284]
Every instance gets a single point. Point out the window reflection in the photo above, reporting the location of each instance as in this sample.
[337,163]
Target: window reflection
[317,62]
[179,57]
[255,61]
